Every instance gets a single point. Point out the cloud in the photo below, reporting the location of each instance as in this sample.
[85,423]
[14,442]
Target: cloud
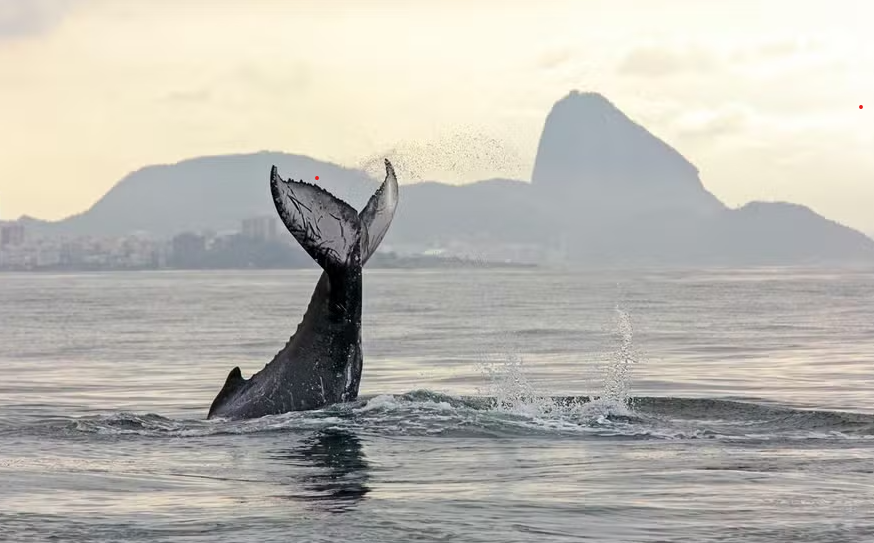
[708,126]
[711,124]
[777,50]
[22,18]
[187,97]
[663,62]
[768,55]
[282,80]
[244,80]
[555,58]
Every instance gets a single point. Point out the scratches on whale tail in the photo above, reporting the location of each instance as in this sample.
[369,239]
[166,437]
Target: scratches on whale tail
[327,228]
[232,385]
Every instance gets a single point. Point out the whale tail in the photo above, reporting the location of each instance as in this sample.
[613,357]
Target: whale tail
[341,241]
[329,229]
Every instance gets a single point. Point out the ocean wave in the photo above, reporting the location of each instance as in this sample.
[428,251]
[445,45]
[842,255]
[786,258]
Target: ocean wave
[427,413]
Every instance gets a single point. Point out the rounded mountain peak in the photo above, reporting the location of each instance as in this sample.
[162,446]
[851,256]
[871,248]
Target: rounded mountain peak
[587,142]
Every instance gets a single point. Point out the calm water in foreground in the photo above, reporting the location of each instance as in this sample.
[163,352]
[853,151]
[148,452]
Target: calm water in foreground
[751,414]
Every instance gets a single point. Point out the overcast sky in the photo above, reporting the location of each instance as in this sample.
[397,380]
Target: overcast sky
[763,96]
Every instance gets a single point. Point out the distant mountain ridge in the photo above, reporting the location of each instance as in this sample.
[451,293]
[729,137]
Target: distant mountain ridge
[604,191]
[205,193]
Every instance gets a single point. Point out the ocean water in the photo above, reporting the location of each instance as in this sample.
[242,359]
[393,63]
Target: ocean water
[497,406]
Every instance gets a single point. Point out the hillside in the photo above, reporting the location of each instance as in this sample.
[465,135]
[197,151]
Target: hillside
[206,193]
[604,191]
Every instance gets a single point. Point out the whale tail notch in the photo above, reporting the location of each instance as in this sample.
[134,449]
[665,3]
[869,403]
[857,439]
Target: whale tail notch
[329,229]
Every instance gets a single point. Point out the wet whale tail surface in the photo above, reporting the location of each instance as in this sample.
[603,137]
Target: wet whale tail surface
[322,362]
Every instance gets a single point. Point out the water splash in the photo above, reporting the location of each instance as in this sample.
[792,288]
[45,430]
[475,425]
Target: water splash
[511,387]
[514,391]
[617,379]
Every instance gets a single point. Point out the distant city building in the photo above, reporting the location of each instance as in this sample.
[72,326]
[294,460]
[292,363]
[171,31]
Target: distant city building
[188,245]
[263,228]
[11,234]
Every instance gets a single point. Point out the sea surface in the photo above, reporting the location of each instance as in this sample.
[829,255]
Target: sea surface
[496,406]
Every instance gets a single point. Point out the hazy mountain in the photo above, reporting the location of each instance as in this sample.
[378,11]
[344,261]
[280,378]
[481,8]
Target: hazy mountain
[763,232]
[604,190]
[206,193]
[591,150]
[628,197]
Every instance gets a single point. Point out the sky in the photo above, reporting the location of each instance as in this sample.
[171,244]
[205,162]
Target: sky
[762,96]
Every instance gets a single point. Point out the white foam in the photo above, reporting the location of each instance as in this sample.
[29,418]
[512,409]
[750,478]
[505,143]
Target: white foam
[387,402]
[515,393]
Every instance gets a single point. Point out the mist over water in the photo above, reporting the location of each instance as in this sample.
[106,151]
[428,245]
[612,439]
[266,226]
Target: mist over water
[497,405]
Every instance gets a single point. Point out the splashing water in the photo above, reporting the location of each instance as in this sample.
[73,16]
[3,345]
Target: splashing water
[511,388]
[513,391]
[468,153]
[616,384]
